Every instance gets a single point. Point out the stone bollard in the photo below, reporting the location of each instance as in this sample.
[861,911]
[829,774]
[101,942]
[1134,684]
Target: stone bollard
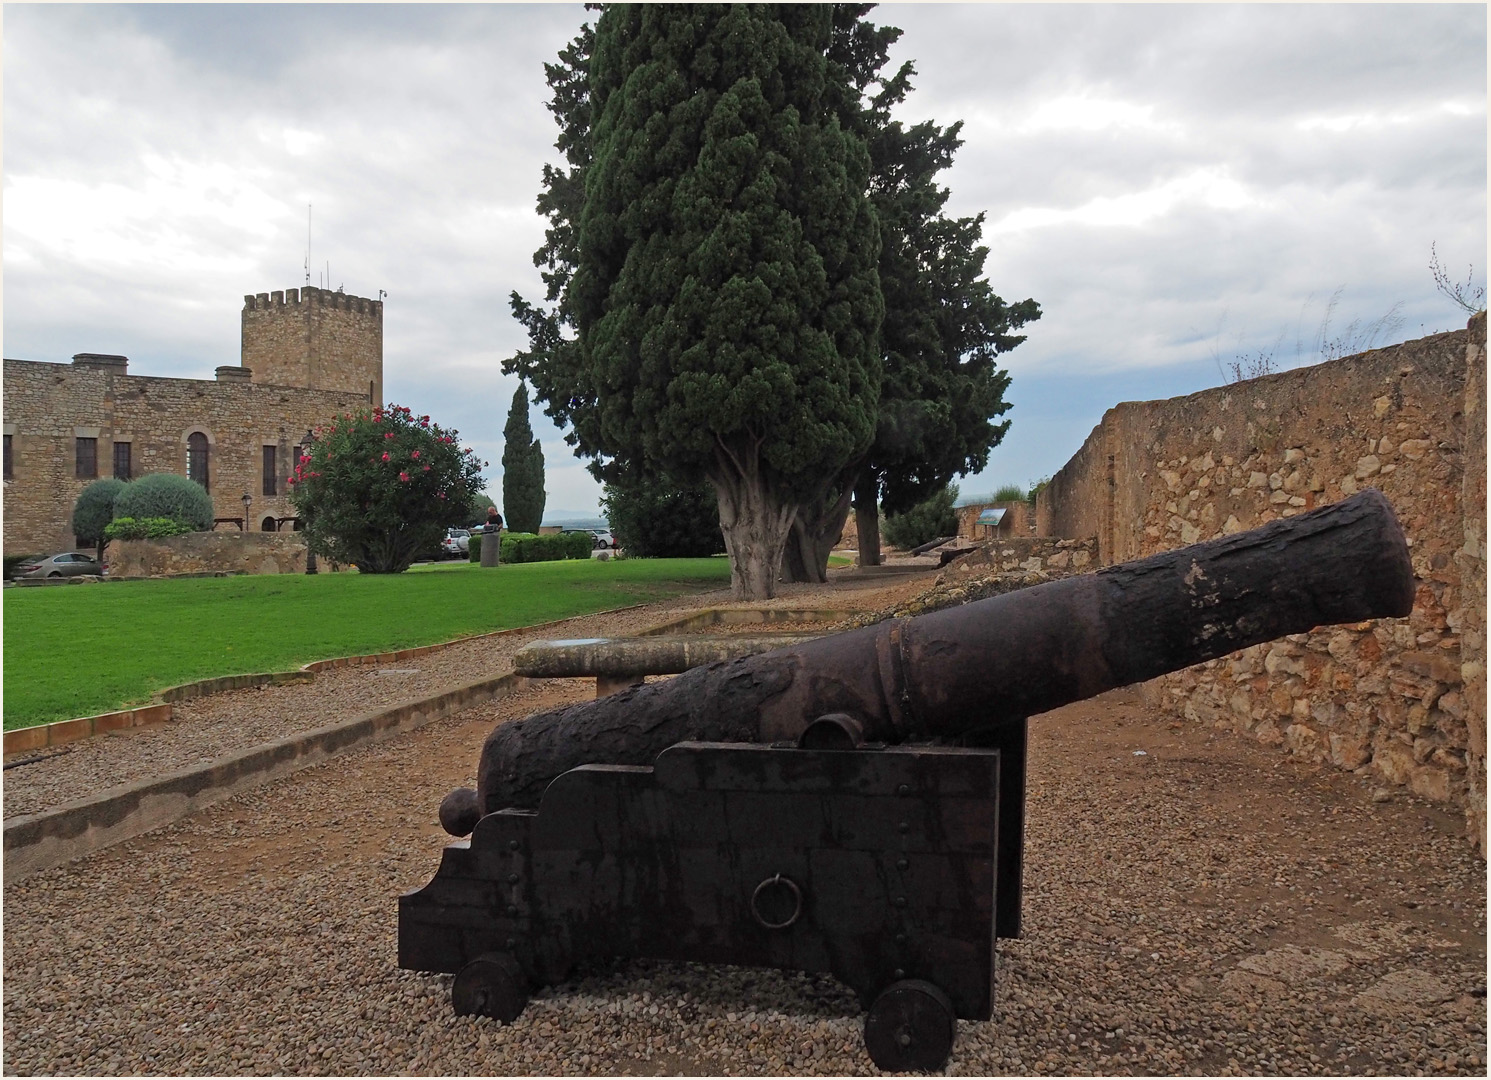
[491,545]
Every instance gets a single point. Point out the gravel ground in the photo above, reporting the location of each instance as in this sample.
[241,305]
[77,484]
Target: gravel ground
[209,727]
[1207,907]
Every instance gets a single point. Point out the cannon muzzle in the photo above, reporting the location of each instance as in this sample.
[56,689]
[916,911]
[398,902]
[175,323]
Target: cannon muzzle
[952,673]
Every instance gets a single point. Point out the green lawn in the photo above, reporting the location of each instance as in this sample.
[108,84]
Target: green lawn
[77,650]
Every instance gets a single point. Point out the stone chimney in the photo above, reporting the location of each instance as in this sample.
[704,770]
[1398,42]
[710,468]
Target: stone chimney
[115,365]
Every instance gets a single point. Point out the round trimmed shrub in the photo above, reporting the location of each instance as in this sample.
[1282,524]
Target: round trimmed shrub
[94,509]
[166,495]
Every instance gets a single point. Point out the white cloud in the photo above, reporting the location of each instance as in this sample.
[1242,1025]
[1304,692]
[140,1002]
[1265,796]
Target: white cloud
[1090,114]
[1211,188]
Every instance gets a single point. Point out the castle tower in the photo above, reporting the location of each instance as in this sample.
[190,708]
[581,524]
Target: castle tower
[315,338]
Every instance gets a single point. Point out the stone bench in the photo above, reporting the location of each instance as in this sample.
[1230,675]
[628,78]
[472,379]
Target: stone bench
[619,663]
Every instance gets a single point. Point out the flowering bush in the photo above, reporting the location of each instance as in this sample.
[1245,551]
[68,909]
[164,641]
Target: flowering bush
[376,488]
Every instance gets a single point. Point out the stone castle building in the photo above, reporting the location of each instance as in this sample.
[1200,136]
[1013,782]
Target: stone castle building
[307,355]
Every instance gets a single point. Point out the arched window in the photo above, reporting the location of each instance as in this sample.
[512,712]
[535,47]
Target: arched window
[196,459]
[267,525]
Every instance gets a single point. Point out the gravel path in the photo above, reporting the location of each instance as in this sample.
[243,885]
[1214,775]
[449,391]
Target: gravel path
[206,728]
[1207,907]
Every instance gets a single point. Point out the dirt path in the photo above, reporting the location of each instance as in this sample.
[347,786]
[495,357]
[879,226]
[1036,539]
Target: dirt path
[1207,907]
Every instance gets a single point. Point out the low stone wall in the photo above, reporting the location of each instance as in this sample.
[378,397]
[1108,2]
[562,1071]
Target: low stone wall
[209,552]
[1018,520]
[1403,698]
[1053,555]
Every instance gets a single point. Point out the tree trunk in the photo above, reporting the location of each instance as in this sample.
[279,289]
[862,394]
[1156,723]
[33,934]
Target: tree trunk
[815,533]
[867,518]
[754,519]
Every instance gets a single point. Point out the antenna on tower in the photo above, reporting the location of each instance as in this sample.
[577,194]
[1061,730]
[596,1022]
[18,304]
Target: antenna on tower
[307,243]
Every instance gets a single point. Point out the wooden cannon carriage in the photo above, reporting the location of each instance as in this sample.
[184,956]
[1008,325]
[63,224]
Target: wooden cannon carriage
[853,804]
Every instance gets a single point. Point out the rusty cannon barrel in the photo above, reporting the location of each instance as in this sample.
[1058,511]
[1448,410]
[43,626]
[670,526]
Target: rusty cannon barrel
[951,673]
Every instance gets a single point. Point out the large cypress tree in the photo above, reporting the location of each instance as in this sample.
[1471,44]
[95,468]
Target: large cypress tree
[724,292]
[943,327]
[522,469]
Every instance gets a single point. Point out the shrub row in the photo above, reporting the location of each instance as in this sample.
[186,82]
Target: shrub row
[128,528]
[548,547]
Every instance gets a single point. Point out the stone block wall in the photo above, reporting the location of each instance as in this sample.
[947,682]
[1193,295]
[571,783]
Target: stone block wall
[315,338]
[48,406]
[209,552]
[1401,698]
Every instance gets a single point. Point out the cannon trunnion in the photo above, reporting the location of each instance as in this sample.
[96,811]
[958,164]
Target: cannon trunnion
[878,865]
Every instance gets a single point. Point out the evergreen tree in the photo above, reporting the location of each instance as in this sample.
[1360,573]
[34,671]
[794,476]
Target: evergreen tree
[721,272]
[942,391]
[657,517]
[522,469]
[944,326]
[94,510]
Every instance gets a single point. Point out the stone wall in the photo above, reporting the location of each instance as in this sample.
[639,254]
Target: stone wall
[315,338]
[209,552]
[1401,698]
[1052,555]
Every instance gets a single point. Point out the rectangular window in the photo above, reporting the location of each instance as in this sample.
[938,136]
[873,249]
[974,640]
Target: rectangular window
[87,464]
[10,462]
[121,461]
[271,476]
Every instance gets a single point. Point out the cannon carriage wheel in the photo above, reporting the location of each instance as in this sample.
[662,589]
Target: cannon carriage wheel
[491,985]
[910,1027]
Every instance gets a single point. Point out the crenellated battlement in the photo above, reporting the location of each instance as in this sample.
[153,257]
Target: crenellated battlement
[310,295]
[315,338]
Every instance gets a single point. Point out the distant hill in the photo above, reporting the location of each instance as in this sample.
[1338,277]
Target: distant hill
[574,519]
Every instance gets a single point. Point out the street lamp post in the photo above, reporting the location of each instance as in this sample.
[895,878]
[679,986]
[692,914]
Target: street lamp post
[310,556]
[247,500]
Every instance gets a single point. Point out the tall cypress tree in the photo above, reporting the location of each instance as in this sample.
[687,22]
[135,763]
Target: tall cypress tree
[522,469]
[944,326]
[941,390]
[725,293]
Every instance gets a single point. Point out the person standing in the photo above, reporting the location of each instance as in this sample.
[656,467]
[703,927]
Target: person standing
[491,538]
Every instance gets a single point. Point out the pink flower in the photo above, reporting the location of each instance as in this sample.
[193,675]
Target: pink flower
[439,494]
[415,455]
[385,455]
[424,421]
[427,468]
[403,476]
[305,458]
[289,479]
[388,434]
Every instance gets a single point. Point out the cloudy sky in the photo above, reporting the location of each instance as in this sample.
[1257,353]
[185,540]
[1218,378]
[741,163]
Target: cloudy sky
[1177,185]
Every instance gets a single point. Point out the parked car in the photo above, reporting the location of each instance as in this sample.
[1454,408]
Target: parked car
[457,543]
[67,564]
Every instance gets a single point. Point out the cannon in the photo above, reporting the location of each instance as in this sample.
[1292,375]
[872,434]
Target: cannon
[852,804]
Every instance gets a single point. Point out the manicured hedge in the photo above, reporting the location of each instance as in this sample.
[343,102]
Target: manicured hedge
[547,547]
[128,528]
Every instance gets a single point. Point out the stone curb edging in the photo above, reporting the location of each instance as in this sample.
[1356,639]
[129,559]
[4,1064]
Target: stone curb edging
[41,736]
[36,842]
